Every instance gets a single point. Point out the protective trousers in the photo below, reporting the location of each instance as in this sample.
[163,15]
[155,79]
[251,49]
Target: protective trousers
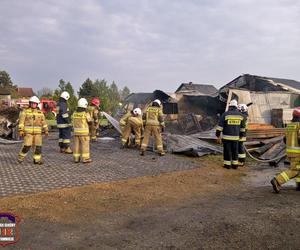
[290,173]
[241,153]
[64,137]
[154,130]
[230,153]
[81,148]
[34,141]
[132,127]
[93,131]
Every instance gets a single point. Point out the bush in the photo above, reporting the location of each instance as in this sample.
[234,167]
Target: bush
[50,116]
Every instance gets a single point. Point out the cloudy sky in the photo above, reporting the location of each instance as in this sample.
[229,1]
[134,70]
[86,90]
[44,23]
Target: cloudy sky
[148,44]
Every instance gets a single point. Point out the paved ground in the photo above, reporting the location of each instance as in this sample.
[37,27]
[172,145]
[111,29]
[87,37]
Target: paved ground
[110,163]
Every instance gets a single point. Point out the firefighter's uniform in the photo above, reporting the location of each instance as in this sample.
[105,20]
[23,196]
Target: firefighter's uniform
[94,114]
[153,124]
[124,119]
[243,138]
[32,123]
[293,153]
[81,148]
[135,125]
[231,125]
[64,126]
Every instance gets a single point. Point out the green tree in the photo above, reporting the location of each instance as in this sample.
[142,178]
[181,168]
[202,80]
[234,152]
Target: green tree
[101,90]
[114,97]
[6,82]
[124,93]
[87,88]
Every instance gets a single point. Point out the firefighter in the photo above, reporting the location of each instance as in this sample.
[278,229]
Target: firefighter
[124,119]
[81,120]
[64,123]
[94,113]
[231,124]
[32,123]
[292,140]
[154,124]
[243,108]
[135,125]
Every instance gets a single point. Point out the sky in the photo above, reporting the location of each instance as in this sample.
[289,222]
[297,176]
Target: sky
[148,44]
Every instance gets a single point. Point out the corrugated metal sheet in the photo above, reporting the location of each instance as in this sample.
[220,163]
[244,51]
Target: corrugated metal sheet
[263,103]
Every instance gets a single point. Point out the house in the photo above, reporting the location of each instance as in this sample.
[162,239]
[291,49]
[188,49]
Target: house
[25,93]
[269,96]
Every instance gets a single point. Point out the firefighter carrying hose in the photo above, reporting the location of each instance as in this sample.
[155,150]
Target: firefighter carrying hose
[232,123]
[63,120]
[94,113]
[81,120]
[32,123]
[135,125]
[154,125]
[292,140]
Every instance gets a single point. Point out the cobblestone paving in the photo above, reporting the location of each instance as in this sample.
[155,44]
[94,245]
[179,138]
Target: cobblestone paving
[110,163]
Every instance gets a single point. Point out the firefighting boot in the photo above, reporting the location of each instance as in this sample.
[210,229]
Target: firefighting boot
[87,161]
[162,153]
[298,186]
[38,162]
[62,150]
[68,150]
[276,186]
[142,152]
[226,166]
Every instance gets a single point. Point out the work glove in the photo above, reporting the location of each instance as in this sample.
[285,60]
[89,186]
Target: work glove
[21,133]
[219,140]
[46,133]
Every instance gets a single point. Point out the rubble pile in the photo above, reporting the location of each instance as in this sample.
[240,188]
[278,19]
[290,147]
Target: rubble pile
[8,121]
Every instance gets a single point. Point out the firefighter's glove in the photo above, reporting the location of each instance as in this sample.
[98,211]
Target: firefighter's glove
[46,133]
[21,133]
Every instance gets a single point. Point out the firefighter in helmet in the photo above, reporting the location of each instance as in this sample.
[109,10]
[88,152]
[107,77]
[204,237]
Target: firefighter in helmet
[243,108]
[81,120]
[231,124]
[135,125]
[94,113]
[154,125]
[32,123]
[63,120]
[292,140]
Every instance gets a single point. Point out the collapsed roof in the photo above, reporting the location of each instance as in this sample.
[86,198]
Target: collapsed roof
[261,83]
[196,89]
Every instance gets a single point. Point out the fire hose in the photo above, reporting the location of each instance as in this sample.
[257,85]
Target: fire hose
[264,161]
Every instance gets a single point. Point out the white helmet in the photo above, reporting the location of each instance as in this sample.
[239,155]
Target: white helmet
[82,103]
[65,95]
[242,107]
[137,111]
[157,101]
[34,99]
[233,103]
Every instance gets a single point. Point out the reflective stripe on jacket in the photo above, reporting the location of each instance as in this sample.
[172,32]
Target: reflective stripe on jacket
[80,123]
[154,116]
[32,121]
[292,139]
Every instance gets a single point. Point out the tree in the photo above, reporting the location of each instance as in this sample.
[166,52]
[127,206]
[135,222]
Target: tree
[6,83]
[86,89]
[101,90]
[124,93]
[45,92]
[114,97]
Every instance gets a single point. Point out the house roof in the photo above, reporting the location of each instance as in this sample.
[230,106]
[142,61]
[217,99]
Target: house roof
[25,92]
[205,89]
[4,91]
[262,83]
[144,98]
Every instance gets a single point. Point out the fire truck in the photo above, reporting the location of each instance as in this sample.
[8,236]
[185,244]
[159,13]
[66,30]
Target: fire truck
[46,105]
